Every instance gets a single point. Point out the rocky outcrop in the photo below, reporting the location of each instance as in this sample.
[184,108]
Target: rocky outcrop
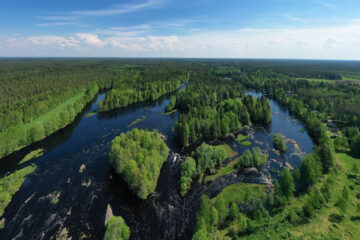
[82,168]
[109,214]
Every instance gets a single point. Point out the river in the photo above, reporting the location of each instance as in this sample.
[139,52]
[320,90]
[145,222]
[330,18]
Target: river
[84,195]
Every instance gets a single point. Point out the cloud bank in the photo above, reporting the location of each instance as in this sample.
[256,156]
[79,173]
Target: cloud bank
[332,42]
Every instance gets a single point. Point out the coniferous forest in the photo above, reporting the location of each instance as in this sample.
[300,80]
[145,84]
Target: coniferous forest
[180,148]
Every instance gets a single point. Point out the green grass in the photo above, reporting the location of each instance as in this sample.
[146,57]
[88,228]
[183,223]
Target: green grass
[245,143]
[171,112]
[90,114]
[347,161]
[34,154]
[54,111]
[226,170]
[10,184]
[230,153]
[239,192]
[116,229]
[350,79]
[320,227]
[142,119]
[241,137]
[317,80]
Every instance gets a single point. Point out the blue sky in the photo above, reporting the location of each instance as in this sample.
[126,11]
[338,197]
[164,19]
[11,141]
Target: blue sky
[307,29]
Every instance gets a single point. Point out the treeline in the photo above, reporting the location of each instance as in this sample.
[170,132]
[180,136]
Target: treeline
[325,100]
[138,156]
[212,106]
[136,85]
[38,97]
[31,88]
[15,137]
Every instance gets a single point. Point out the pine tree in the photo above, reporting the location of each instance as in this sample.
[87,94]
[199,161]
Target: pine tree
[287,183]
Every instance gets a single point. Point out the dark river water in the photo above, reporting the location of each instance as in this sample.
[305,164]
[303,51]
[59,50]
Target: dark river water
[85,195]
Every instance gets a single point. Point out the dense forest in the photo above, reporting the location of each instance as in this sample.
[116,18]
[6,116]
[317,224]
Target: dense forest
[300,195]
[316,103]
[212,106]
[134,85]
[39,97]
[138,156]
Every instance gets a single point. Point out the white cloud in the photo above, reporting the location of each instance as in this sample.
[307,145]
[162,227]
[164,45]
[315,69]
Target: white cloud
[51,41]
[304,19]
[53,24]
[90,39]
[331,42]
[119,9]
[328,5]
[59,18]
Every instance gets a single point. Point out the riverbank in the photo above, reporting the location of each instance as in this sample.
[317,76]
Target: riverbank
[18,137]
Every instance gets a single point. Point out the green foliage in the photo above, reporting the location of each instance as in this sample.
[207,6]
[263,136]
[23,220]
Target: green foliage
[341,144]
[233,212]
[20,135]
[138,156]
[355,146]
[251,158]
[296,174]
[309,171]
[245,143]
[33,154]
[170,107]
[222,171]
[200,235]
[355,168]
[336,218]
[116,229]
[279,142]
[139,86]
[326,155]
[287,183]
[241,137]
[38,97]
[188,171]
[208,157]
[10,184]
[222,213]
[210,107]
[214,216]
[55,197]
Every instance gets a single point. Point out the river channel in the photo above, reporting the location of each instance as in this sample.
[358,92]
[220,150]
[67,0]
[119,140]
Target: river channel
[75,167]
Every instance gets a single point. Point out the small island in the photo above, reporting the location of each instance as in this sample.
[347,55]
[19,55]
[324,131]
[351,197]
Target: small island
[116,229]
[279,142]
[138,156]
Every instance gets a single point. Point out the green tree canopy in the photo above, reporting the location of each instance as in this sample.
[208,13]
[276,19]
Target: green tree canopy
[138,156]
